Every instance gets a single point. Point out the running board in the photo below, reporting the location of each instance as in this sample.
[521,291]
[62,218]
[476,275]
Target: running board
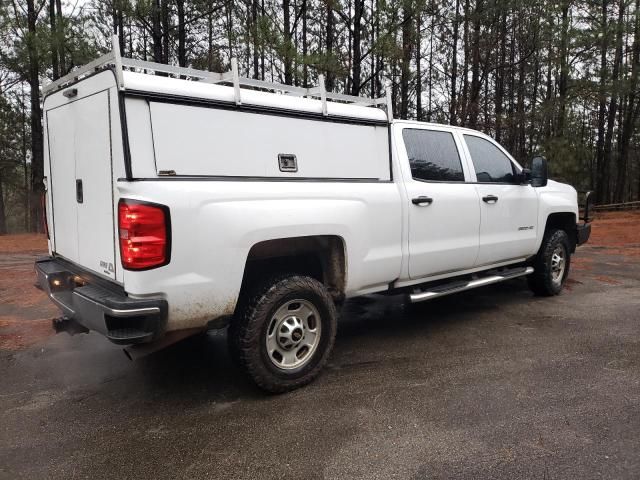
[455,287]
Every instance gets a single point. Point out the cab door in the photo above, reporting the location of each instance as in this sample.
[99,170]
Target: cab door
[508,209]
[443,209]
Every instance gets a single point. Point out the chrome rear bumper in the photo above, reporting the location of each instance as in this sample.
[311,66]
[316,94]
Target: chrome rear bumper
[98,307]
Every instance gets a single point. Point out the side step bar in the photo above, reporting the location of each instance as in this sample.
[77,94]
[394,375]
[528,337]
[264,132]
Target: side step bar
[455,287]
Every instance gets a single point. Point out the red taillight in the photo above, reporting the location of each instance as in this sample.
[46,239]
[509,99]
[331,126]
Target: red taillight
[144,235]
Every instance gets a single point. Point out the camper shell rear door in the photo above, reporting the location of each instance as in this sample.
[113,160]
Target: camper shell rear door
[83,156]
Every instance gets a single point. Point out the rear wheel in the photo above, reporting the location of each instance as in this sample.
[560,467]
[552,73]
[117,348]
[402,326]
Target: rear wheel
[551,264]
[284,333]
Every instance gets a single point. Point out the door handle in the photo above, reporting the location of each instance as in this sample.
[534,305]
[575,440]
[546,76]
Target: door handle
[490,199]
[79,192]
[422,200]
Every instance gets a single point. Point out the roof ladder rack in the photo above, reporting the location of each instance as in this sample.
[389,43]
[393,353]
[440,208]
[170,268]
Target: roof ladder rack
[231,77]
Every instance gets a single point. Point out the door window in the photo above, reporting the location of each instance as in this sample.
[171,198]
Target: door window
[432,155]
[490,163]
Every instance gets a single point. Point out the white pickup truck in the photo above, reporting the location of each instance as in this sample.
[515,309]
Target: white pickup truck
[186,200]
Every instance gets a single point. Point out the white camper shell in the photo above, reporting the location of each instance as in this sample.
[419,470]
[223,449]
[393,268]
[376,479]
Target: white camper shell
[107,124]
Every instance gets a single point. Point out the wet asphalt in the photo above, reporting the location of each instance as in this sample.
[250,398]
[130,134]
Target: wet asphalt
[493,383]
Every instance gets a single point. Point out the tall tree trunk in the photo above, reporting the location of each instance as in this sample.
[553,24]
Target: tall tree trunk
[288,69]
[130,37]
[549,93]
[511,126]
[25,166]
[295,44]
[419,113]
[431,37]
[165,31]
[474,106]
[604,179]
[357,46]
[631,113]
[563,83]
[121,30]
[118,24]
[533,124]
[60,39]
[373,55]
[210,42]
[114,16]
[229,14]
[254,37]
[347,86]
[37,162]
[502,58]
[54,40]
[602,102]
[465,67]
[405,70]
[520,116]
[156,31]
[262,49]
[145,44]
[182,34]
[329,38]
[305,45]
[454,65]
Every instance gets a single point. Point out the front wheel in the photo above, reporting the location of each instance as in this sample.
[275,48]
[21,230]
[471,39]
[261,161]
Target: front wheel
[283,334]
[551,264]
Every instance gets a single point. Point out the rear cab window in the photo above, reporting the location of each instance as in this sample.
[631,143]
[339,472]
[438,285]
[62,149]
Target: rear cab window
[490,163]
[433,155]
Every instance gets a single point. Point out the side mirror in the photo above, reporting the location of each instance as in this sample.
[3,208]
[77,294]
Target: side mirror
[539,174]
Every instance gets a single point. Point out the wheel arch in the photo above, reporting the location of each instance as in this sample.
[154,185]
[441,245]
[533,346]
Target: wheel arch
[566,221]
[322,257]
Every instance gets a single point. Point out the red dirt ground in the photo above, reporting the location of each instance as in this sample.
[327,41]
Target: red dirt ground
[23,243]
[619,232]
[26,312]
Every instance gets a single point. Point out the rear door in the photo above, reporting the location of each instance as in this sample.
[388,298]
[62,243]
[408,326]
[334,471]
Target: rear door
[79,135]
[508,210]
[444,210]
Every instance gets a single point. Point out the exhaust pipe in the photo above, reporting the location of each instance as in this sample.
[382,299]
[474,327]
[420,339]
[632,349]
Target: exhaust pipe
[135,352]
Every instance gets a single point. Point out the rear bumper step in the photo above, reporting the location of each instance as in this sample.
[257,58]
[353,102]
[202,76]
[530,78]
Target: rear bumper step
[461,286]
[123,320]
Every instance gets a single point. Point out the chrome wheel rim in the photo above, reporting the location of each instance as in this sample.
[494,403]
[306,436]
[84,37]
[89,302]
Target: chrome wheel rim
[293,334]
[558,264]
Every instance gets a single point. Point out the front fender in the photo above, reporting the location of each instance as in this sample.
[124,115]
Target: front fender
[555,198]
